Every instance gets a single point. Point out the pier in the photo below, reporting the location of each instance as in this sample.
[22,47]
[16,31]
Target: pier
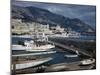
[77,50]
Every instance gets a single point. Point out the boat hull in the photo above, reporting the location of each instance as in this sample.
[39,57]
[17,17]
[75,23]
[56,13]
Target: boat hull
[71,56]
[28,64]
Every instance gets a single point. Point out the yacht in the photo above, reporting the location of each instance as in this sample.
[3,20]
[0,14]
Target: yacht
[31,46]
[39,44]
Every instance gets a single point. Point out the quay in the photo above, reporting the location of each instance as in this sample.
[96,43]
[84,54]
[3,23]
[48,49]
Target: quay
[76,50]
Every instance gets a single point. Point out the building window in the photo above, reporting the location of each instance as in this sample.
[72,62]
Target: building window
[12,27]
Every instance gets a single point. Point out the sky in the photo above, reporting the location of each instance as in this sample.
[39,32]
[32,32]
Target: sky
[86,13]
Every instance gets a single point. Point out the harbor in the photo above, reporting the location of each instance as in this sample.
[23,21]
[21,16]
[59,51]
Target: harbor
[62,58]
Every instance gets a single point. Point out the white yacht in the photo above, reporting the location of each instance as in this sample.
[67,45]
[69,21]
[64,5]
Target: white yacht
[31,46]
[39,44]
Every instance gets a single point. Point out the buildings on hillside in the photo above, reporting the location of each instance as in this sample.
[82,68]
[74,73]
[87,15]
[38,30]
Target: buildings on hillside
[19,27]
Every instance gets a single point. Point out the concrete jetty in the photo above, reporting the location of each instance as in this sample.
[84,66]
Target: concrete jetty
[80,51]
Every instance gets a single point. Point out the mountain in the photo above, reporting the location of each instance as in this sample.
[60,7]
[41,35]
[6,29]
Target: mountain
[29,14]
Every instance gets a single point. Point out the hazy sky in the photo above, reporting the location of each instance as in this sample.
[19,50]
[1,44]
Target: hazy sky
[86,13]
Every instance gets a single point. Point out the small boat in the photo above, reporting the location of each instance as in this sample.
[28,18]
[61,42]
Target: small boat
[29,63]
[87,61]
[71,56]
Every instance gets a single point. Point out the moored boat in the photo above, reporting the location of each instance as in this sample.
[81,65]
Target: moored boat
[71,56]
[38,44]
[29,63]
[87,61]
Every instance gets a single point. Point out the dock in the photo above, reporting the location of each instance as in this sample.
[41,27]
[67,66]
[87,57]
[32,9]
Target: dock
[80,51]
